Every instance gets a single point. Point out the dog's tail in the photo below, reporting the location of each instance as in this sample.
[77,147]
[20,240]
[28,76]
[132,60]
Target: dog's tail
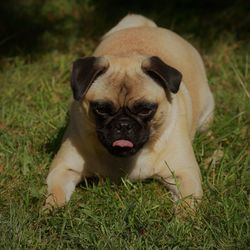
[131,21]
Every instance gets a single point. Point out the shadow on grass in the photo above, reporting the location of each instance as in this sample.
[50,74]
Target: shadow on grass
[53,145]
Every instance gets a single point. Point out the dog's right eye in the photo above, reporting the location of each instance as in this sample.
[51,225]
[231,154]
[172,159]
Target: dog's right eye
[102,108]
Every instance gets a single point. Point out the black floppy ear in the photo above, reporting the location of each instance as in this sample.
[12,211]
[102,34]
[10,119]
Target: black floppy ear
[84,73]
[168,77]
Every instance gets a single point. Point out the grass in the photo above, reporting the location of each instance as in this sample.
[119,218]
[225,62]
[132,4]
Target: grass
[34,100]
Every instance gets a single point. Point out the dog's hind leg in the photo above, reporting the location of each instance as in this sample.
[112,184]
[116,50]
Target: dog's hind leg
[206,117]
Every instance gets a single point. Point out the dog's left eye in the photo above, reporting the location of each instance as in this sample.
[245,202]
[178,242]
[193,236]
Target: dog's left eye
[102,108]
[145,109]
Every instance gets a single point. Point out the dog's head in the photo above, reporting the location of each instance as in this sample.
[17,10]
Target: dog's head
[127,98]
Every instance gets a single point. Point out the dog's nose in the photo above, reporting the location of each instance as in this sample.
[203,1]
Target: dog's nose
[123,126]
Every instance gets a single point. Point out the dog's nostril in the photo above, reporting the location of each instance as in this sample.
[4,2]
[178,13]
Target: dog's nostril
[123,126]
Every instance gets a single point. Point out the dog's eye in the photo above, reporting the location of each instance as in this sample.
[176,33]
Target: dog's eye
[102,108]
[145,109]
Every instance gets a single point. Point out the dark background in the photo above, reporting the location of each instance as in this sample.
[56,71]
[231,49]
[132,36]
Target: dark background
[28,26]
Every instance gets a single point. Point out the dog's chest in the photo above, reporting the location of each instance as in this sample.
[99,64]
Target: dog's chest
[142,168]
[139,168]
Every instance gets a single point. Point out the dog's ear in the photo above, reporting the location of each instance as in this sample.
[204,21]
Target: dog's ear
[169,78]
[84,73]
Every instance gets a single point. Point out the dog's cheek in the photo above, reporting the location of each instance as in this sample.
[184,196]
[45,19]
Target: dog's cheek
[98,120]
[156,124]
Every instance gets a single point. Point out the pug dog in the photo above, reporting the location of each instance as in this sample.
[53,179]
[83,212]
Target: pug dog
[138,101]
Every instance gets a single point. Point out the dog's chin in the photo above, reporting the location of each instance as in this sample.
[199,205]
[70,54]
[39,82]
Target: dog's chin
[122,151]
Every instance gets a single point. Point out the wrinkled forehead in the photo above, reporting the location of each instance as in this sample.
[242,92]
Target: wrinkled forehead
[124,83]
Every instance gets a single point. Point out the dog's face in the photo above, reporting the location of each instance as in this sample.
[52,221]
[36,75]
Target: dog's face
[127,98]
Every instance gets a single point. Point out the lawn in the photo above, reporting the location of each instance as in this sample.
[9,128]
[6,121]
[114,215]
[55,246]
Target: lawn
[34,99]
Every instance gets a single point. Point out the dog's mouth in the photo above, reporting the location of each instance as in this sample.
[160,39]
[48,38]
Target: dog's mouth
[123,144]
[123,148]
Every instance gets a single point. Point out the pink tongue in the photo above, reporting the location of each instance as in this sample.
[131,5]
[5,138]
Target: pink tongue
[123,143]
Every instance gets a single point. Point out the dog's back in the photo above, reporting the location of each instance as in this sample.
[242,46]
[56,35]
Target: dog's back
[131,21]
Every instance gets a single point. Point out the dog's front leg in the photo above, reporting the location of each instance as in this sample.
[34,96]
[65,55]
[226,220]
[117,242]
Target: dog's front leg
[181,174]
[185,187]
[66,172]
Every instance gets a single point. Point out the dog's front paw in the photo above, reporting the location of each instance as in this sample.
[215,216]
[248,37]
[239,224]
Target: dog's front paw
[50,204]
[53,202]
[186,208]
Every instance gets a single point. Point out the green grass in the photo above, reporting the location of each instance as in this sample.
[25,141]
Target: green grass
[34,100]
